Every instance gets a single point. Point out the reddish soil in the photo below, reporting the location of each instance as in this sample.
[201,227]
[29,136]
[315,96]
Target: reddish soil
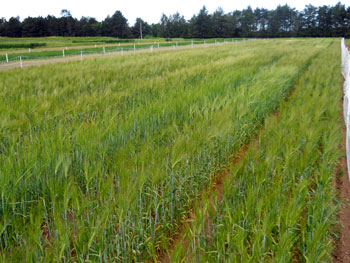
[46,233]
[342,246]
[342,251]
[213,191]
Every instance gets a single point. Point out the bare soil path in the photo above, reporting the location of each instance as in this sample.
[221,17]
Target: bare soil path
[342,246]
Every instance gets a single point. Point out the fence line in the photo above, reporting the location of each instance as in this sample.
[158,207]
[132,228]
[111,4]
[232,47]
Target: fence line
[104,51]
[345,63]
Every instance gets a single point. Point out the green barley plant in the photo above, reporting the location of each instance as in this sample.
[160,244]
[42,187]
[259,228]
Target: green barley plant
[102,159]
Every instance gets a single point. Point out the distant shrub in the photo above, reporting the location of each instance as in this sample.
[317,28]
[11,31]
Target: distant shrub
[149,37]
[119,41]
[87,41]
[21,45]
[108,41]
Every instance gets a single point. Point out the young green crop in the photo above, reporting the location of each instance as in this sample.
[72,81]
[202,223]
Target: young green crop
[278,203]
[101,159]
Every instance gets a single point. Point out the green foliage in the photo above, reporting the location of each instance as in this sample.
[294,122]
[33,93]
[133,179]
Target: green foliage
[107,41]
[115,26]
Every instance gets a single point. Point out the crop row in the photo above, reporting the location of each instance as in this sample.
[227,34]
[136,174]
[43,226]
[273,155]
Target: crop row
[278,202]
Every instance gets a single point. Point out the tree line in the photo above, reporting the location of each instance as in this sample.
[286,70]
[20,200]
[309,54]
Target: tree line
[284,21]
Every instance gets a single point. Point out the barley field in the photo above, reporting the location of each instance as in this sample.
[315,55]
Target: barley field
[103,160]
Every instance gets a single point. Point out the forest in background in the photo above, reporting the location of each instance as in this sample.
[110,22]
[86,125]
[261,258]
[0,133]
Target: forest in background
[284,21]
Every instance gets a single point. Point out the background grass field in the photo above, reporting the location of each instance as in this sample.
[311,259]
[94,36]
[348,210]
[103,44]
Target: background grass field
[51,47]
[101,160]
[69,41]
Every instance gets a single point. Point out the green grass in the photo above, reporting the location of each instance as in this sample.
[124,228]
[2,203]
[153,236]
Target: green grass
[101,159]
[72,51]
[57,42]
[278,203]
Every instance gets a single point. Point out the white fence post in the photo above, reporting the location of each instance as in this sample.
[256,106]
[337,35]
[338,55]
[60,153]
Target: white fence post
[81,55]
[192,43]
[121,51]
[29,50]
[134,48]
[151,48]
[104,50]
[63,53]
[345,63]
[7,58]
[20,62]
[158,44]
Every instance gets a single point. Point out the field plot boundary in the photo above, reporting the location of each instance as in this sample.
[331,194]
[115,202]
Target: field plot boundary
[214,191]
[342,182]
[345,56]
[20,62]
[208,209]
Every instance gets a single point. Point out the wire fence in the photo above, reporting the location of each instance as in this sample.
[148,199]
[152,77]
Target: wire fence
[8,61]
[345,62]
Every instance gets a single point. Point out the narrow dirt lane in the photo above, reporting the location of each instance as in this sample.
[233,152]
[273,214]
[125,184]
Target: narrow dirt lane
[342,247]
[342,250]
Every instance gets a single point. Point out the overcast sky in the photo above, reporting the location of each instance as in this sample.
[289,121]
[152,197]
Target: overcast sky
[148,10]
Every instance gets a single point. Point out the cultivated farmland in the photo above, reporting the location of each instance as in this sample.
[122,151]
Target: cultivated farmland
[105,160]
